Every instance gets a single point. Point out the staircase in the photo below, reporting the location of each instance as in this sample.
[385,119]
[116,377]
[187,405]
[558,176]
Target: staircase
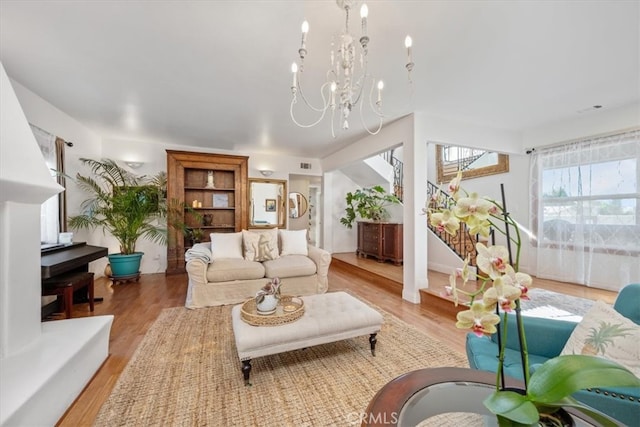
[463,243]
[398,172]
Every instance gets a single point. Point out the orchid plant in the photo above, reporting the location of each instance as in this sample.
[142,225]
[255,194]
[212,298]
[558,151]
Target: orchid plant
[501,289]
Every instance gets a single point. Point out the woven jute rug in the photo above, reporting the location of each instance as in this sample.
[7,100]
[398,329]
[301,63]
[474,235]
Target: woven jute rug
[186,372]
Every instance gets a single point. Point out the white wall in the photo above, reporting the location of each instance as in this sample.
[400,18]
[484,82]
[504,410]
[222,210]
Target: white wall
[337,237]
[391,135]
[85,144]
[585,125]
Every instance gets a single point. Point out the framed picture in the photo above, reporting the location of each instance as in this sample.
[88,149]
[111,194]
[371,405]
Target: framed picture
[270,205]
[220,200]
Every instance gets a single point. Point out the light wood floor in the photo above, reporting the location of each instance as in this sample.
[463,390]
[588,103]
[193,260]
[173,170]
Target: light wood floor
[137,305]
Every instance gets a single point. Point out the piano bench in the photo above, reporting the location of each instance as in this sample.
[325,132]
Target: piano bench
[63,286]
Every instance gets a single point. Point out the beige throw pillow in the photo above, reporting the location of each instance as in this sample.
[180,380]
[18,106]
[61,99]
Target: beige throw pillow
[260,245]
[226,245]
[294,242]
[605,333]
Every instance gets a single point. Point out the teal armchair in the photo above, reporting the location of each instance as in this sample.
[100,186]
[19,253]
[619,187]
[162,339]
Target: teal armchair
[546,339]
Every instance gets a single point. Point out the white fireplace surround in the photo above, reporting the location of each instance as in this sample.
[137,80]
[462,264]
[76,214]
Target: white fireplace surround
[43,366]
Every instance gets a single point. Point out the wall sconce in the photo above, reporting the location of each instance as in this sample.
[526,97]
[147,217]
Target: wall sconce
[266,172]
[134,165]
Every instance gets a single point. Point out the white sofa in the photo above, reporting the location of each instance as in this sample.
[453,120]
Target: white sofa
[220,273]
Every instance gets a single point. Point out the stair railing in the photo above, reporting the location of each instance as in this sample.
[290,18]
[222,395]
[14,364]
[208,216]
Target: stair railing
[463,243]
[398,172]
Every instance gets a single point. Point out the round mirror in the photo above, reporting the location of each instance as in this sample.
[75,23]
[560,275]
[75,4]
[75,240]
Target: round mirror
[298,205]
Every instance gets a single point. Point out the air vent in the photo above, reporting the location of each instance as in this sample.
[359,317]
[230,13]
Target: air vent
[305,165]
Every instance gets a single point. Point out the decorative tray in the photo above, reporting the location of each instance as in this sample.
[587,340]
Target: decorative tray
[289,309]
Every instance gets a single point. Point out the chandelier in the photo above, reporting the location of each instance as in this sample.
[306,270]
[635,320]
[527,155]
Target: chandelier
[347,77]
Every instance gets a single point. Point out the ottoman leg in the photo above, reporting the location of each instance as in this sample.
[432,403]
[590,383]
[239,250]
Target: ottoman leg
[373,341]
[246,371]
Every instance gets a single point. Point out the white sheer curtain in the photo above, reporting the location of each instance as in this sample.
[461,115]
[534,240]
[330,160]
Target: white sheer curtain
[586,211]
[49,223]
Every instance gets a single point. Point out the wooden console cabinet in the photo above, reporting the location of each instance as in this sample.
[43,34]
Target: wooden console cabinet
[223,206]
[381,240]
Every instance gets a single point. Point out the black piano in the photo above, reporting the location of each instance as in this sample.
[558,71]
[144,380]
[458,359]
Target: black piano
[58,259]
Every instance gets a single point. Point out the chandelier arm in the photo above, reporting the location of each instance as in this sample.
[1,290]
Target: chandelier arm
[374,107]
[380,116]
[324,100]
[333,131]
[364,81]
[303,125]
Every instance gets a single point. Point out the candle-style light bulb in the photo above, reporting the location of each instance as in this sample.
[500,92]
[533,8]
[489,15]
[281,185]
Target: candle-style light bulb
[364,12]
[305,30]
[294,70]
[380,87]
[408,43]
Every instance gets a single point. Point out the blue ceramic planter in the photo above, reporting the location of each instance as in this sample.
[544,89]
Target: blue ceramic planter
[125,265]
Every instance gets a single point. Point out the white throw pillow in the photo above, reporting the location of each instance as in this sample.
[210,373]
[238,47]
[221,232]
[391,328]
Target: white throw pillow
[226,245]
[605,333]
[294,242]
[260,245]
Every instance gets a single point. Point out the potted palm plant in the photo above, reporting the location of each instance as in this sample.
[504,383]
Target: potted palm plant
[127,206]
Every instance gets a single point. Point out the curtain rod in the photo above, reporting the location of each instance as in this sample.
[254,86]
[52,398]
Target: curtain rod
[67,143]
[587,138]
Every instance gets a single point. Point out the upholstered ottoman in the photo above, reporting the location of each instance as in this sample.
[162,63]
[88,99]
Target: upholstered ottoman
[327,318]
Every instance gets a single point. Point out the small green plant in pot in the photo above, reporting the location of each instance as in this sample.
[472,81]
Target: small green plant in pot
[368,203]
[127,206]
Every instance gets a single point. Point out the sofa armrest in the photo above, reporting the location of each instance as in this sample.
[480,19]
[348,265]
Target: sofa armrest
[545,337]
[322,259]
[197,271]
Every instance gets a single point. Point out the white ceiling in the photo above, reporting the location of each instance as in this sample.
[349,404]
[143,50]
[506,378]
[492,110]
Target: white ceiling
[216,73]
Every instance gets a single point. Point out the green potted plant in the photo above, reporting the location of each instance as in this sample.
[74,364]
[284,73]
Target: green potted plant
[368,203]
[501,288]
[127,206]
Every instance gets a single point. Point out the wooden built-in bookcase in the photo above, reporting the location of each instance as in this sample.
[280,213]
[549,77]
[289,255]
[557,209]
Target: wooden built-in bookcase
[223,208]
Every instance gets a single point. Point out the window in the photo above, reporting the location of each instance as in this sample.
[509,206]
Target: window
[53,211]
[591,196]
[586,199]
[472,162]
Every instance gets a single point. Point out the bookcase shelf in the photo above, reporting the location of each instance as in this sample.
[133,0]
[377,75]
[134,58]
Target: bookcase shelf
[223,208]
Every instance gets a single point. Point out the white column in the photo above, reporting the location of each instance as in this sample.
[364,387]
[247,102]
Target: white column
[415,225]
